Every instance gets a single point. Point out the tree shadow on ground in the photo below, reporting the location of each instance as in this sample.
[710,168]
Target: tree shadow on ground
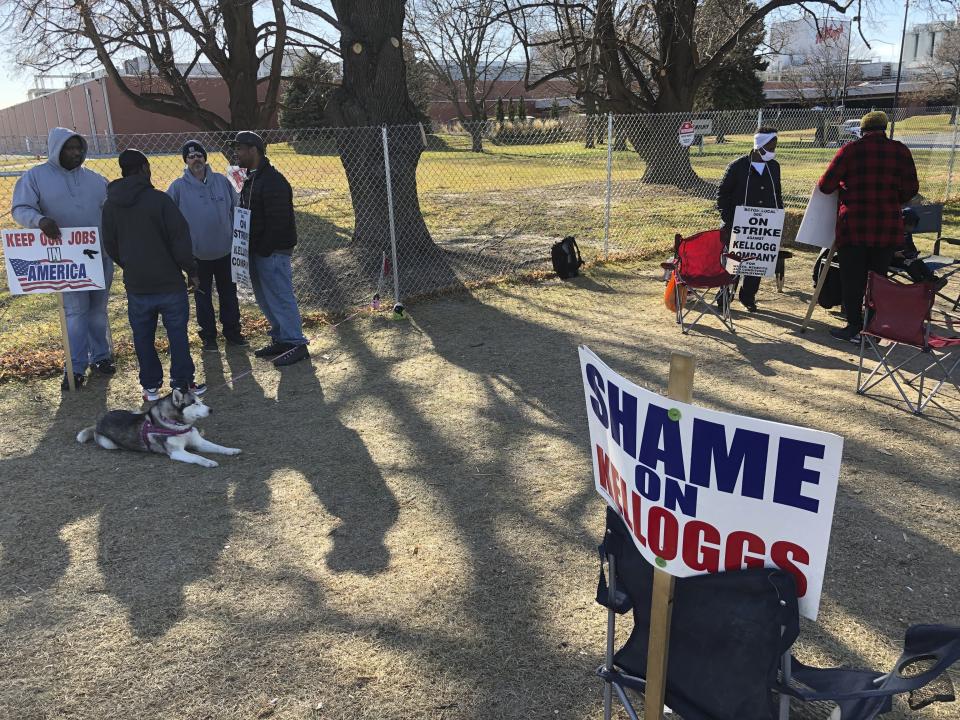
[761,353]
[34,556]
[164,524]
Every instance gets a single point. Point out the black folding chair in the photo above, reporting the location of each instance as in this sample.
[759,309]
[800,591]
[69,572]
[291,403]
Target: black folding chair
[729,655]
[930,221]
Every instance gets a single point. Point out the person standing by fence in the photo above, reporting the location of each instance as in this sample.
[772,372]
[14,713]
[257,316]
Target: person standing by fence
[147,236]
[207,201]
[875,177]
[273,235]
[754,181]
[63,193]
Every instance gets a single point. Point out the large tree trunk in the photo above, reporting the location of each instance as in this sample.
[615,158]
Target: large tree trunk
[476,136]
[655,136]
[374,93]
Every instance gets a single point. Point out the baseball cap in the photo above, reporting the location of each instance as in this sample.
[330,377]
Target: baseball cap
[248,137]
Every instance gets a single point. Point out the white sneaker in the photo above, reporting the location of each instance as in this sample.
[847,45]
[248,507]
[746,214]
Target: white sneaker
[151,394]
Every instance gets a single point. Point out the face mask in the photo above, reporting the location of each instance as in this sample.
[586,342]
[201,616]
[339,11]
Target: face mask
[767,155]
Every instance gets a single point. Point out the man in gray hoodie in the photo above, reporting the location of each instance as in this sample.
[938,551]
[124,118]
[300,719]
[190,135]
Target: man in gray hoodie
[207,201]
[62,193]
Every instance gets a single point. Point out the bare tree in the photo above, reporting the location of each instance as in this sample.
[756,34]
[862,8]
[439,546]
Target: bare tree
[246,49]
[941,74]
[824,77]
[467,50]
[570,51]
[176,38]
[653,56]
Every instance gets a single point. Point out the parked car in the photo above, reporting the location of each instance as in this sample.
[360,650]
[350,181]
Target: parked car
[849,131]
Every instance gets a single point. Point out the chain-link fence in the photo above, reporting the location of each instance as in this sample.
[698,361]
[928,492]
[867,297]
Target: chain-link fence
[445,215]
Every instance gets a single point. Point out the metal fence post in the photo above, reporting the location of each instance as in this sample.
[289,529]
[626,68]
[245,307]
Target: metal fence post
[953,155]
[393,230]
[606,222]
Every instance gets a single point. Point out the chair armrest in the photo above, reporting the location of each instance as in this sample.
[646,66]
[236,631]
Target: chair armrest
[949,240]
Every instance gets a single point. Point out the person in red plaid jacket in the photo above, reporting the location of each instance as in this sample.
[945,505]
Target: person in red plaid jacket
[876,177]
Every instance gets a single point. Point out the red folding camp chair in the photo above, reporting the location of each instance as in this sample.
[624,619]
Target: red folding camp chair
[698,267]
[900,314]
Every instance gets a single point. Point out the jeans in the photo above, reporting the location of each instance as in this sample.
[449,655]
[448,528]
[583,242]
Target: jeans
[209,271]
[143,311]
[272,279]
[855,262]
[87,331]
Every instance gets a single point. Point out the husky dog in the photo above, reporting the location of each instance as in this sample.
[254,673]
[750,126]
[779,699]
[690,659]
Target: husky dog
[165,427]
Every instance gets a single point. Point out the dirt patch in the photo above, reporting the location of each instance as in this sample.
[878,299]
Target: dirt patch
[410,532]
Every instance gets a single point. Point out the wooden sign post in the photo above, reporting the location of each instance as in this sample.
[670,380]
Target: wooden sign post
[71,381]
[816,291]
[680,388]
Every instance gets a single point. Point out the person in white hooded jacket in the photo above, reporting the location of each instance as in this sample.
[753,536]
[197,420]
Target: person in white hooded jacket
[62,193]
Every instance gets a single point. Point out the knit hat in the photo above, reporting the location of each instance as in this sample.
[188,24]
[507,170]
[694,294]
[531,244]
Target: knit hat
[132,160]
[876,120]
[192,146]
[248,137]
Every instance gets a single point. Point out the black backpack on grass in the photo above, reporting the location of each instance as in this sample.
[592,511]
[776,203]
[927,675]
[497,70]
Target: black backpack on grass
[566,258]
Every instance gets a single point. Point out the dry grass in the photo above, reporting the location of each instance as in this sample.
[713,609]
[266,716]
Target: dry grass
[498,211]
[410,532]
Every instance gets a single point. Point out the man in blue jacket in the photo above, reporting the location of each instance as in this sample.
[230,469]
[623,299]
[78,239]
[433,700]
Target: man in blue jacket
[207,201]
[63,193]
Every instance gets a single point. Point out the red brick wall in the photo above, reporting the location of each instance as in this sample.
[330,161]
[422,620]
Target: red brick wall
[69,108]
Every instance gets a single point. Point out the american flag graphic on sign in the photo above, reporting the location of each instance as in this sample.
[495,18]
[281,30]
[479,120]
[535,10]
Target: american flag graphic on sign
[50,276]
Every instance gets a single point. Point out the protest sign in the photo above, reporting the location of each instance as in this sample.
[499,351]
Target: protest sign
[819,224]
[237,177]
[38,264]
[240,253]
[755,234]
[703,491]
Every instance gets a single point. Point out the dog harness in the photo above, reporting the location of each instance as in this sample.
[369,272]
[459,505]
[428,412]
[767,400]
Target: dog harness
[149,429]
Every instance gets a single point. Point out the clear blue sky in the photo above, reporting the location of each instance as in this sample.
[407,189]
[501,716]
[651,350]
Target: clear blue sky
[884,36]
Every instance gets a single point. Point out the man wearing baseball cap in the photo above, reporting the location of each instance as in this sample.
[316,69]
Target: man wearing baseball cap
[207,201]
[146,235]
[273,235]
[875,177]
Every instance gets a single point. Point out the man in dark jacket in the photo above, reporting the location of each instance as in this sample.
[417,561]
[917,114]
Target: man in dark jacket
[146,235]
[752,180]
[875,176]
[273,235]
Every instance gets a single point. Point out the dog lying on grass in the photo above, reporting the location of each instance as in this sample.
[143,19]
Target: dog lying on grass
[165,427]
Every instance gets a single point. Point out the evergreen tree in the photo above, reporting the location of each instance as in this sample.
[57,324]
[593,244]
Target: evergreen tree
[305,96]
[418,82]
[500,115]
[512,111]
[521,110]
[555,109]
